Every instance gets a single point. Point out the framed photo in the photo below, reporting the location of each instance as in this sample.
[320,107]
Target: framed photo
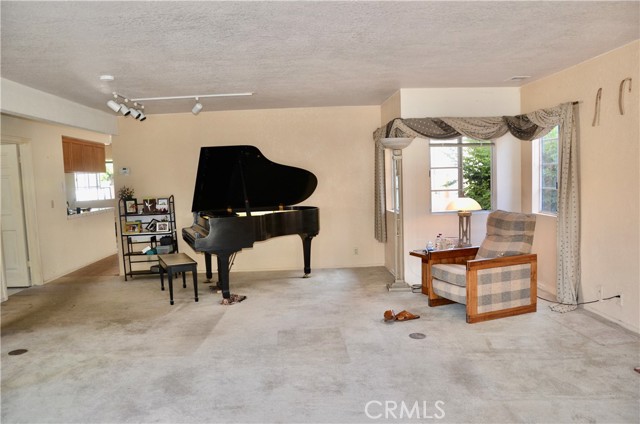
[162,205]
[133,227]
[148,205]
[131,206]
[151,225]
[162,227]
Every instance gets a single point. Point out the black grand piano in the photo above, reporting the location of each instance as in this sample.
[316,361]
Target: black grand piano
[242,197]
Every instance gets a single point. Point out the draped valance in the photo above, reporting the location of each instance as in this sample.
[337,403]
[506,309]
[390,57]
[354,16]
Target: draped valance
[528,126]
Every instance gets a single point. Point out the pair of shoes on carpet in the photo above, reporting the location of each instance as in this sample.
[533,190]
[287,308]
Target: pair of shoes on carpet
[400,316]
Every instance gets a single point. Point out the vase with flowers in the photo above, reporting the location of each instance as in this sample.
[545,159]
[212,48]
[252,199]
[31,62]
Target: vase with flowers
[126,193]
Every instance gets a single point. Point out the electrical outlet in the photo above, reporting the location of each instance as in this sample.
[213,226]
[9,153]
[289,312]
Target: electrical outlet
[600,293]
[355,250]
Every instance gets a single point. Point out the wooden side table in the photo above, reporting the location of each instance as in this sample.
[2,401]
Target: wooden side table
[424,256]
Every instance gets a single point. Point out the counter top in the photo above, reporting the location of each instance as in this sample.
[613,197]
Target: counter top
[93,211]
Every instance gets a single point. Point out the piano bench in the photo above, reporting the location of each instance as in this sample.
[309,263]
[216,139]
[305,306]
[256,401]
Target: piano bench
[173,263]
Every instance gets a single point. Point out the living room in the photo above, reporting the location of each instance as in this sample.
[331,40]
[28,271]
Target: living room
[336,144]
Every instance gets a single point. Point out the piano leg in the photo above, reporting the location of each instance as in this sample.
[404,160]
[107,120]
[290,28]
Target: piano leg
[207,265]
[223,273]
[306,247]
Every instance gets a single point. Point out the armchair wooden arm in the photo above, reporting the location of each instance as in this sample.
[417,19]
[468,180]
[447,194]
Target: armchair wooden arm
[501,261]
[449,256]
[474,266]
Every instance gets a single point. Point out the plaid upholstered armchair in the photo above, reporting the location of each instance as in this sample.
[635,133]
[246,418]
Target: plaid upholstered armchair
[497,280]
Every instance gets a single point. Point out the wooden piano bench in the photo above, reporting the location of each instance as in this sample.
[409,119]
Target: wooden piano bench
[172,263]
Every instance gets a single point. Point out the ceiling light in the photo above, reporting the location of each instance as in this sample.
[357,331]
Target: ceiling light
[135,113]
[197,107]
[115,106]
[136,110]
[142,116]
[106,78]
[519,78]
[125,111]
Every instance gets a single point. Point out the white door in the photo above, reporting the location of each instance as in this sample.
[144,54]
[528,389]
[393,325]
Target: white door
[14,235]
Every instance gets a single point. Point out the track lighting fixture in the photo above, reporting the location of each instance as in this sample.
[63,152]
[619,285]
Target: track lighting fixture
[137,110]
[124,109]
[197,107]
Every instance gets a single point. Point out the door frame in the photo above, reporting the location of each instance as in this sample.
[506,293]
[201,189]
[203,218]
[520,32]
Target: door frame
[29,204]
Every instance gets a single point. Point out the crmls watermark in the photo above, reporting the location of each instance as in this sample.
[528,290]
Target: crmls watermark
[375,409]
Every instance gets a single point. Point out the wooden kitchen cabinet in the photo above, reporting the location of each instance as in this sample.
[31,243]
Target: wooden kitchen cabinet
[82,156]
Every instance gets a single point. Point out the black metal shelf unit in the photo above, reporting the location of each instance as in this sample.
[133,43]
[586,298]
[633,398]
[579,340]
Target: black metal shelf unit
[147,229]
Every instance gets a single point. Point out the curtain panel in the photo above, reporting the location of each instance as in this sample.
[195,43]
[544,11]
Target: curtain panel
[527,127]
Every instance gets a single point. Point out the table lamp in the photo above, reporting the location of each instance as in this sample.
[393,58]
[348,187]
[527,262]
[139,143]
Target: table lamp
[464,206]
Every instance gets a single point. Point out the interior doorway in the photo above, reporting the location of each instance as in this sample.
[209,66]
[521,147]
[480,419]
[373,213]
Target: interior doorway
[15,259]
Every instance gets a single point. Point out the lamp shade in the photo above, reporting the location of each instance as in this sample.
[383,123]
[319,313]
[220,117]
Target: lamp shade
[464,204]
[396,143]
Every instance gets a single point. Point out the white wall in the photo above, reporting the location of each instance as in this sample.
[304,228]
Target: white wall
[65,244]
[421,225]
[609,156]
[336,144]
[26,102]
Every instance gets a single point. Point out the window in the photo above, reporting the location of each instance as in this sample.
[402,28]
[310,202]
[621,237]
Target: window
[460,167]
[546,181]
[94,186]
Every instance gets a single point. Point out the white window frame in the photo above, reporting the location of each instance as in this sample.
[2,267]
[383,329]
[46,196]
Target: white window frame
[93,185]
[460,144]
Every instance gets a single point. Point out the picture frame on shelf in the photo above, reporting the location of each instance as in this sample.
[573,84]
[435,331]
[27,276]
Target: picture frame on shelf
[162,205]
[151,225]
[162,227]
[131,206]
[133,227]
[148,205]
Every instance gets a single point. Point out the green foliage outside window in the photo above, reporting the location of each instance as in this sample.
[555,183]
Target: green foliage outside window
[460,167]
[476,172]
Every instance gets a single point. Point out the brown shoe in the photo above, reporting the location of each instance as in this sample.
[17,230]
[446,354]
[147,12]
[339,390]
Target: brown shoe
[389,315]
[406,316]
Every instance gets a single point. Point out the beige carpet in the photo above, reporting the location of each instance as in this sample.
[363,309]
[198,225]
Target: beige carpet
[102,350]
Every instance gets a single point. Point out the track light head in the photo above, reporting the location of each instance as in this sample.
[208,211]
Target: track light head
[142,117]
[124,110]
[197,107]
[115,106]
[135,113]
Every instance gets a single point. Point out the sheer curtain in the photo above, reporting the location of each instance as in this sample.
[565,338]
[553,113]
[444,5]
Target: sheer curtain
[524,127]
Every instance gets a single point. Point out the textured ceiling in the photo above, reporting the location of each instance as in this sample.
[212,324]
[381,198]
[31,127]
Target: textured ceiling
[297,54]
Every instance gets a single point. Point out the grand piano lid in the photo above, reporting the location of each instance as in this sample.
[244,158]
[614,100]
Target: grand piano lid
[227,173]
